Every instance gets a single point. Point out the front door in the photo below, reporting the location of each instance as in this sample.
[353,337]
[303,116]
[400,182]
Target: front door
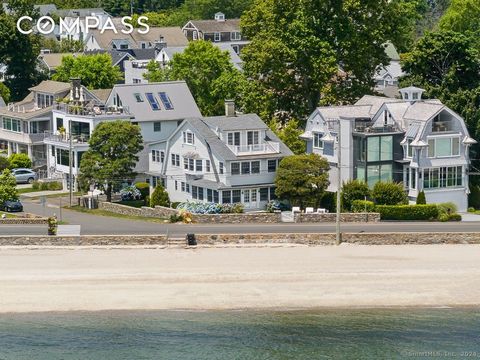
[250,198]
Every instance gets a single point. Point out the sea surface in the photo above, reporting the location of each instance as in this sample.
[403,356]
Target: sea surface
[326,334]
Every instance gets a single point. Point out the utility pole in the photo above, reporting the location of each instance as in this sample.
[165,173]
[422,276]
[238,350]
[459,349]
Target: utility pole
[70,162]
[338,239]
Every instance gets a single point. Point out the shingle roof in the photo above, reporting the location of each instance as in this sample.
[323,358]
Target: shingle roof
[51,87]
[335,112]
[178,92]
[240,122]
[54,60]
[205,127]
[101,94]
[116,55]
[422,111]
[376,102]
[211,26]
[143,54]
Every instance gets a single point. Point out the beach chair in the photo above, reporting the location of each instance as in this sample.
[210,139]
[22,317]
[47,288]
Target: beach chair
[295,209]
[321,211]
[309,210]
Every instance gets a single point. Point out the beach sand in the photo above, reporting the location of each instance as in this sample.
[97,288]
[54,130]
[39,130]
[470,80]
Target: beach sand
[238,278]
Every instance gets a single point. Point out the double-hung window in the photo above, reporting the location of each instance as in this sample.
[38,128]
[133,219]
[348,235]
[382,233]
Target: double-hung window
[317,142]
[199,165]
[255,167]
[253,137]
[175,160]
[188,138]
[235,168]
[272,165]
[233,138]
[245,168]
[207,166]
[217,37]
[157,126]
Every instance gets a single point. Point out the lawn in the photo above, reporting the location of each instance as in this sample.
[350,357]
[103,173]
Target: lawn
[8,215]
[112,214]
[26,190]
[132,203]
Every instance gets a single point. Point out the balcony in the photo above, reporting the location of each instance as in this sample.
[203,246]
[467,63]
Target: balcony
[91,110]
[269,147]
[442,126]
[56,137]
[21,137]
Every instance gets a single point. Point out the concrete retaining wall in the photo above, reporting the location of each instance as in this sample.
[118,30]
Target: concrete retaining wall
[157,212]
[311,239]
[332,217]
[260,217]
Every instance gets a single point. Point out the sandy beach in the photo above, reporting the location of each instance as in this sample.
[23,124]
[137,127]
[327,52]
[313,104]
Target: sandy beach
[238,278]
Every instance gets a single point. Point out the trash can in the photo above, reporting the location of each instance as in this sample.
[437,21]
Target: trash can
[191,241]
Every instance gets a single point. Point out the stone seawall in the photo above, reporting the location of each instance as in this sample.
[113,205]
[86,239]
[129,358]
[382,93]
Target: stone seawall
[23,221]
[332,217]
[157,212]
[260,217]
[311,239]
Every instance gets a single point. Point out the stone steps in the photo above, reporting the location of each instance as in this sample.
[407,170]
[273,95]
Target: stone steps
[177,242]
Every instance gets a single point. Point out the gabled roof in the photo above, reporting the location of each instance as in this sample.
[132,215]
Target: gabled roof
[423,111]
[239,122]
[205,127]
[172,36]
[116,55]
[143,54]
[376,102]
[335,112]
[101,94]
[212,26]
[391,51]
[51,87]
[54,60]
[46,9]
[184,105]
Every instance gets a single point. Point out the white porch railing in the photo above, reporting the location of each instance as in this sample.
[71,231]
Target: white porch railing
[269,147]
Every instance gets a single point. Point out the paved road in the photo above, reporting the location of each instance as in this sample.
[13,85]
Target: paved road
[102,225]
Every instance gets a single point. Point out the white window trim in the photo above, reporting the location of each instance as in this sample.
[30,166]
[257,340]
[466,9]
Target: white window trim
[217,37]
[321,142]
[434,138]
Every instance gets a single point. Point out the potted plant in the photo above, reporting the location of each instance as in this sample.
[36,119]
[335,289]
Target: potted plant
[62,131]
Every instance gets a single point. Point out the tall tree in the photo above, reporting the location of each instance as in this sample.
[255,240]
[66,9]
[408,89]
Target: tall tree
[208,72]
[312,51]
[95,71]
[302,179]
[461,16]
[18,51]
[111,158]
[8,186]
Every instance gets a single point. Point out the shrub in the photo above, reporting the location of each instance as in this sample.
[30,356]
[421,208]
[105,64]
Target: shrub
[277,205]
[19,161]
[210,208]
[421,199]
[55,185]
[353,190]
[44,186]
[329,201]
[471,209]
[447,208]
[159,197]
[454,217]
[35,185]
[238,208]
[174,218]
[389,193]
[359,206]
[407,212]
[144,189]
[4,163]
[174,204]
[443,217]
[129,193]
[474,196]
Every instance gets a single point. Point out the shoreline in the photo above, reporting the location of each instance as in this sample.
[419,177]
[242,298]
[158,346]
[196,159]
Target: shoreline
[276,278]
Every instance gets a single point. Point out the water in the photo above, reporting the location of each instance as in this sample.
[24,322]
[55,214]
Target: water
[326,334]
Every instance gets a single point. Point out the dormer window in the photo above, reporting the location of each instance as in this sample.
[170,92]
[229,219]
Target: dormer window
[415,96]
[233,138]
[220,16]
[405,96]
[253,137]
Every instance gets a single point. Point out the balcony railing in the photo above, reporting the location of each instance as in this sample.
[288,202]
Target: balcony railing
[91,110]
[65,138]
[21,137]
[268,147]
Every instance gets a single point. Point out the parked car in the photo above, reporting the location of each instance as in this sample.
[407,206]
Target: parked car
[12,206]
[24,176]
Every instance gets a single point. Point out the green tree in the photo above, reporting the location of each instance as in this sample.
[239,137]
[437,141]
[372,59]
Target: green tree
[19,161]
[421,199]
[19,52]
[159,197]
[8,186]
[297,47]
[290,135]
[4,92]
[389,193]
[207,71]
[353,190]
[111,158]
[302,179]
[461,16]
[95,71]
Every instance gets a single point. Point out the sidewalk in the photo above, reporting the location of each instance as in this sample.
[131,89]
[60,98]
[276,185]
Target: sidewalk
[44,193]
[469,217]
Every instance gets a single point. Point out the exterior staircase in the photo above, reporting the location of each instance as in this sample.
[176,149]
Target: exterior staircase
[177,242]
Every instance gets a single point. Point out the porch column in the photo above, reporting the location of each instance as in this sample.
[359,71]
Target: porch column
[29,151]
[9,148]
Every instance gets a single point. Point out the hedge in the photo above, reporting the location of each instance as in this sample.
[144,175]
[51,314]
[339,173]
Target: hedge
[407,212]
[359,206]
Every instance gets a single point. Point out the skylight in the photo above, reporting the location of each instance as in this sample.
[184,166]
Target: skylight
[166,101]
[153,101]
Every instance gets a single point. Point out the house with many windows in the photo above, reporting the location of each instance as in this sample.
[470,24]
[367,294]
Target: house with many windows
[218,30]
[157,108]
[23,124]
[222,159]
[421,143]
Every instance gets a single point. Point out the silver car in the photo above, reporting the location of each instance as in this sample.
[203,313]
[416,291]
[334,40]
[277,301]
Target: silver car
[24,176]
